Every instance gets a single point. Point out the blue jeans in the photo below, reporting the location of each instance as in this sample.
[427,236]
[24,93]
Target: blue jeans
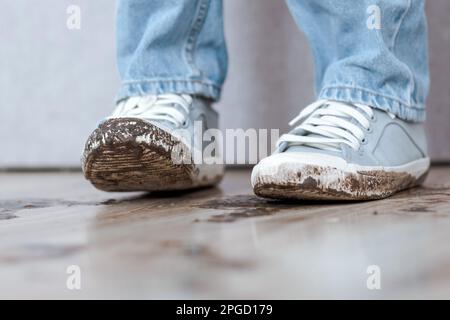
[372,52]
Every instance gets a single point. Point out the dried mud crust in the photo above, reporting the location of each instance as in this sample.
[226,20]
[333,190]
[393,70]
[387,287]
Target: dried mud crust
[320,183]
[129,154]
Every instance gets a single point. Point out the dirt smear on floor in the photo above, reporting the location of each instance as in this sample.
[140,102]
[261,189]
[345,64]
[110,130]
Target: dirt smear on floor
[39,251]
[419,200]
[16,205]
[9,207]
[243,206]
[6,215]
[204,253]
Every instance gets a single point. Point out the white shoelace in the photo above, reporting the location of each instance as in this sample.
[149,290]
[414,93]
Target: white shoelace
[326,124]
[157,107]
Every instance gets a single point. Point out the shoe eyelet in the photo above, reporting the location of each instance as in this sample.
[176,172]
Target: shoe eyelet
[364,141]
[185,124]
[373,118]
[369,130]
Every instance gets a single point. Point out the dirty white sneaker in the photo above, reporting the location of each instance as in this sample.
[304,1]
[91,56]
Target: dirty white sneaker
[342,151]
[147,144]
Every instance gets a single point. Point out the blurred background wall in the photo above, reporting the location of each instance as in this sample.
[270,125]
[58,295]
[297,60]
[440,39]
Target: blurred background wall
[56,83]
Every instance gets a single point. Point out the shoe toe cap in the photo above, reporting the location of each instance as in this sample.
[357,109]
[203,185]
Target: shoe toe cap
[282,168]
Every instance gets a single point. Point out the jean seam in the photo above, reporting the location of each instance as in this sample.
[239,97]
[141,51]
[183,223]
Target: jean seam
[394,41]
[205,82]
[371,92]
[397,30]
[189,49]
[154,86]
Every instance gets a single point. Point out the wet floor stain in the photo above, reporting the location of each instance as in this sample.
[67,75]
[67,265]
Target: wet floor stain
[238,207]
[206,254]
[418,209]
[34,252]
[6,215]
[437,193]
[239,214]
[243,201]
[210,256]
[243,206]
[11,206]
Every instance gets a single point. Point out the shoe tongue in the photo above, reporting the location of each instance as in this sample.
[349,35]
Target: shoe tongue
[175,105]
[307,148]
[167,124]
[188,98]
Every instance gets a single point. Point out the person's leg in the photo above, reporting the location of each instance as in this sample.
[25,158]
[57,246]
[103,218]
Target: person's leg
[363,138]
[357,60]
[172,61]
[171,47]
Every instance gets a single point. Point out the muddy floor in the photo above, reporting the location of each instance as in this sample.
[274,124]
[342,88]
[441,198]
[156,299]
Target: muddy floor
[222,242]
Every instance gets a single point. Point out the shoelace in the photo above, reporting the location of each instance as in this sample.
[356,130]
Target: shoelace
[326,124]
[158,108]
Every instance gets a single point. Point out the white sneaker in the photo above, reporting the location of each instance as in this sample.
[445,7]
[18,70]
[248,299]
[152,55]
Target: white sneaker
[147,144]
[343,151]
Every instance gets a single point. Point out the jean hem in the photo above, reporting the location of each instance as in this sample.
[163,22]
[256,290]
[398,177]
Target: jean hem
[154,87]
[415,113]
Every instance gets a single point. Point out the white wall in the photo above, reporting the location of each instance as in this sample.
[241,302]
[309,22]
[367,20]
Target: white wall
[55,84]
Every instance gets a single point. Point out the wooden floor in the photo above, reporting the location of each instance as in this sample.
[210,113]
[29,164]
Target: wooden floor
[219,243]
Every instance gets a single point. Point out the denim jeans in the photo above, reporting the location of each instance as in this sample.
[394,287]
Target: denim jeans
[372,52]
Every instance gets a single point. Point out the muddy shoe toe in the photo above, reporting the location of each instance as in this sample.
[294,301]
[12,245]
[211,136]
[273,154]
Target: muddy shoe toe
[343,151]
[140,149]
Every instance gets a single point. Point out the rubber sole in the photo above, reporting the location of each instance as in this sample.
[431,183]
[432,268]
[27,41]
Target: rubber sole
[128,154]
[312,182]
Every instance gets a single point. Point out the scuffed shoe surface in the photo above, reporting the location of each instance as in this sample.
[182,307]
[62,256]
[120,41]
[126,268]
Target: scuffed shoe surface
[343,151]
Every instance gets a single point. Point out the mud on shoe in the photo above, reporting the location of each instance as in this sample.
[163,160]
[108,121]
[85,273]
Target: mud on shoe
[147,144]
[343,151]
